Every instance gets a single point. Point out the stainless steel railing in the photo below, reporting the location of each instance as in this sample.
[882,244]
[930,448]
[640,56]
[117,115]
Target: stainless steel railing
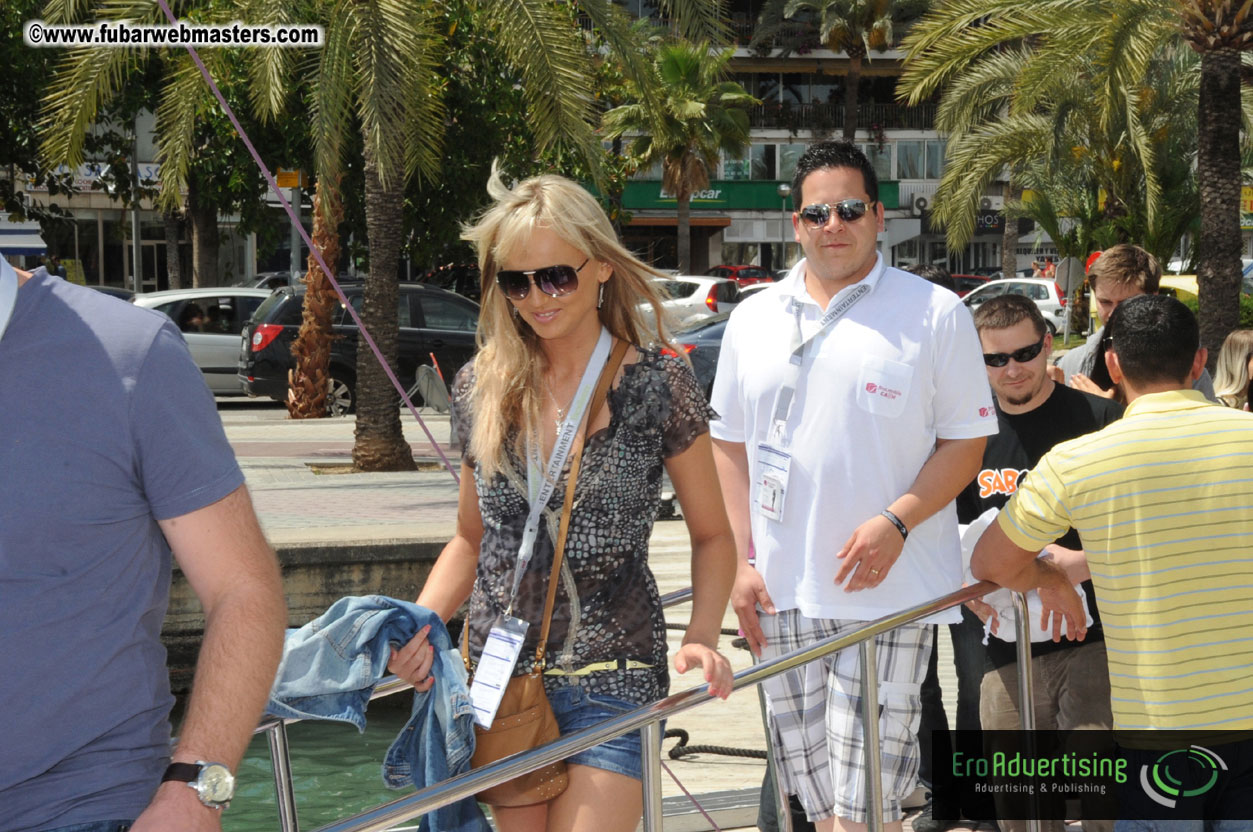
[647,719]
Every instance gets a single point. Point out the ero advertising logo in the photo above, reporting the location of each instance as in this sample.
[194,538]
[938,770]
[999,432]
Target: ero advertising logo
[1165,781]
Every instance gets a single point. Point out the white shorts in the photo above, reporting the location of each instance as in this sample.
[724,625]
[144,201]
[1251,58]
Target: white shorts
[815,715]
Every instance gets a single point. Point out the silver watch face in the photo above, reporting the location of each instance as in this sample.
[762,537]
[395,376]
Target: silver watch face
[215,784]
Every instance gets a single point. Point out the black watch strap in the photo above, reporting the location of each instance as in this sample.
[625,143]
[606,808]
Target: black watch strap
[181,772]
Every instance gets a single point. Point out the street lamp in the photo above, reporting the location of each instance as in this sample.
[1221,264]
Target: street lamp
[784,190]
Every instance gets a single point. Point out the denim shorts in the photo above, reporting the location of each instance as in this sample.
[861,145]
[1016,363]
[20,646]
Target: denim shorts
[97,826]
[577,709]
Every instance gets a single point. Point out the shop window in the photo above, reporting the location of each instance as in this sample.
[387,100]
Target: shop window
[909,160]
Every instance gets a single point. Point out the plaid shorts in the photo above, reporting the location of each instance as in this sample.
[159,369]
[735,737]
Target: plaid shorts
[815,715]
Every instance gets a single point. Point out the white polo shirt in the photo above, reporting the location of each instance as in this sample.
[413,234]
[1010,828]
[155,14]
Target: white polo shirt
[902,368]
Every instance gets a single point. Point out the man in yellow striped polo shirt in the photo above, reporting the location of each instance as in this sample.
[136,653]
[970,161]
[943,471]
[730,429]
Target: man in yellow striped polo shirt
[1163,502]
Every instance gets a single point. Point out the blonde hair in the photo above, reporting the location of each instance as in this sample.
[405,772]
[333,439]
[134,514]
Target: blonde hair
[1231,375]
[509,365]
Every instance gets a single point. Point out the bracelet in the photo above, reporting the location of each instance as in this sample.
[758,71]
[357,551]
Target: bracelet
[896,521]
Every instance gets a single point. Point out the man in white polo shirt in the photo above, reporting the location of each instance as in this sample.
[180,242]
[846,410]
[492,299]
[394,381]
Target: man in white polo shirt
[853,410]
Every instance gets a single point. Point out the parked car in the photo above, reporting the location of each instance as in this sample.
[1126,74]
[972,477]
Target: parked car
[432,322]
[114,291]
[1047,295]
[462,278]
[690,298]
[702,342]
[967,283]
[210,320]
[747,292]
[743,275]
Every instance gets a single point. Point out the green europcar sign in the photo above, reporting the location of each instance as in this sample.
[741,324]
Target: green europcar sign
[728,195]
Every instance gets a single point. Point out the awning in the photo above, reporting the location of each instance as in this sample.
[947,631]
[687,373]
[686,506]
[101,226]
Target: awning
[20,238]
[673,222]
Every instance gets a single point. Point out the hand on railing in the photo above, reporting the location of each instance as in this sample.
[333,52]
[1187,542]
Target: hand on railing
[1061,603]
[747,594]
[717,669]
[413,661]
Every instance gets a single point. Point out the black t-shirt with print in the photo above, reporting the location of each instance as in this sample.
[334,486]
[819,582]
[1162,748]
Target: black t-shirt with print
[1021,440]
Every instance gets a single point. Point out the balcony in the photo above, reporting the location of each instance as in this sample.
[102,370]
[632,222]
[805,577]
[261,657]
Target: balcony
[829,117]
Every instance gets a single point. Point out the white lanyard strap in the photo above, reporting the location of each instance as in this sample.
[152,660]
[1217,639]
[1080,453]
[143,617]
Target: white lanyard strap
[8,294]
[540,484]
[792,373]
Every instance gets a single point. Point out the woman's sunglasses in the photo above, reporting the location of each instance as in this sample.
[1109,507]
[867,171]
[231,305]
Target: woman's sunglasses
[819,214]
[554,281]
[1022,356]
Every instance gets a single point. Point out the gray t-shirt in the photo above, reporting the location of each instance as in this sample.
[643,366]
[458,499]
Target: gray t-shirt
[106,427]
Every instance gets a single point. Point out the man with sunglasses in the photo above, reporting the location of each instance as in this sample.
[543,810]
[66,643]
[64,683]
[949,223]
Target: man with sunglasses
[1034,413]
[852,414]
[1160,500]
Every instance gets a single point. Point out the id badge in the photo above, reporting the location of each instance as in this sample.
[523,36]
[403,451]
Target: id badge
[495,667]
[770,481]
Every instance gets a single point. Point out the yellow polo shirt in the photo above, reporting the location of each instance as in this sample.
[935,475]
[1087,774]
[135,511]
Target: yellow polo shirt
[1163,500]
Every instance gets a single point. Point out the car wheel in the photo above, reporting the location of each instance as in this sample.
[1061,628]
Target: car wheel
[341,399]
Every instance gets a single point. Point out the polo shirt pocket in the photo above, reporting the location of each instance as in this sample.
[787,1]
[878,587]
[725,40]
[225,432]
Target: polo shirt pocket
[883,386]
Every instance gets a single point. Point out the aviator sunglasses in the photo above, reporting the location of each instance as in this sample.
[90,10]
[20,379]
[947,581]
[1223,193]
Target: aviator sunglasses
[1022,356]
[818,214]
[554,281]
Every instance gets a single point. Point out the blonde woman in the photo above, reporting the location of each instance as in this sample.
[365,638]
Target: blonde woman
[555,275]
[1235,368]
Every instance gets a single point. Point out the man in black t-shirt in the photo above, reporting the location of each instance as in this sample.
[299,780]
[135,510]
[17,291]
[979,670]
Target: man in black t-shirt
[1071,678]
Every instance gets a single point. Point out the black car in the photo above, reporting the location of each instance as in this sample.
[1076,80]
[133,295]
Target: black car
[702,343]
[433,322]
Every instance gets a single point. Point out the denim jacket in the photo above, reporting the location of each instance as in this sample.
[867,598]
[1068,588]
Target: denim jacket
[331,665]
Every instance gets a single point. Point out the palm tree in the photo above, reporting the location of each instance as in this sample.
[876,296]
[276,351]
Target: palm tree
[854,27]
[1113,46]
[698,117]
[378,70]
[1219,31]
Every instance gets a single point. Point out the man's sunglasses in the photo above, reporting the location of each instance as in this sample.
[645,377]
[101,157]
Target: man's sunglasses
[818,214]
[554,281]
[1022,356]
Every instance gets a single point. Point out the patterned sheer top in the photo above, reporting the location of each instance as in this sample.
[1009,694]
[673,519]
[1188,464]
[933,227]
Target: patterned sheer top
[607,605]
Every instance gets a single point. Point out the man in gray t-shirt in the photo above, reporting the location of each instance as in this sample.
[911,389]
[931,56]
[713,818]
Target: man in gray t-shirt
[1124,271]
[114,459]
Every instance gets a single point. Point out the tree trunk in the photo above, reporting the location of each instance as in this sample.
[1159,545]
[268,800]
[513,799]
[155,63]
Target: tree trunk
[204,238]
[1218,174]
[173,263]
[380,443]
[852,83]
[309,380]
[683,202]
[1009,237]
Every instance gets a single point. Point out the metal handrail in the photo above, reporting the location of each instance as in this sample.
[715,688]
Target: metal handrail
[380,818]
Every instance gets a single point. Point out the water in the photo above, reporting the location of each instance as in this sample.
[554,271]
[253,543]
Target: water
[337,773]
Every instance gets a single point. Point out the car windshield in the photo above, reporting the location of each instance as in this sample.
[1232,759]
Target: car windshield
[676,288]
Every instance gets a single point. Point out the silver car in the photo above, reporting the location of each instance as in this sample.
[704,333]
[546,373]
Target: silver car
[211,320]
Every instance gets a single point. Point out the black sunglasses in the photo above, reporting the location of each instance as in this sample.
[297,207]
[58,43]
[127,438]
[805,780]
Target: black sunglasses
[554,281]
[819,214]
[1022,356]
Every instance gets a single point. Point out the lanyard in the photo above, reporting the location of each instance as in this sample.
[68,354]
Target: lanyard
[540,484]
[8,294]
[792,373]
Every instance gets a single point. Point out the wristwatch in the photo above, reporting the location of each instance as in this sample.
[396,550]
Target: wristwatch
[213,782]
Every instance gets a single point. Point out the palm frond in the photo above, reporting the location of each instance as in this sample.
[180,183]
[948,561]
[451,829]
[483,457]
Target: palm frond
[182,95]
[332,96]
[550,56]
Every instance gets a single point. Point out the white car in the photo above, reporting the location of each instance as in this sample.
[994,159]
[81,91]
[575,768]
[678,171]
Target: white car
[691,298]
[211,320]
[1046,294]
